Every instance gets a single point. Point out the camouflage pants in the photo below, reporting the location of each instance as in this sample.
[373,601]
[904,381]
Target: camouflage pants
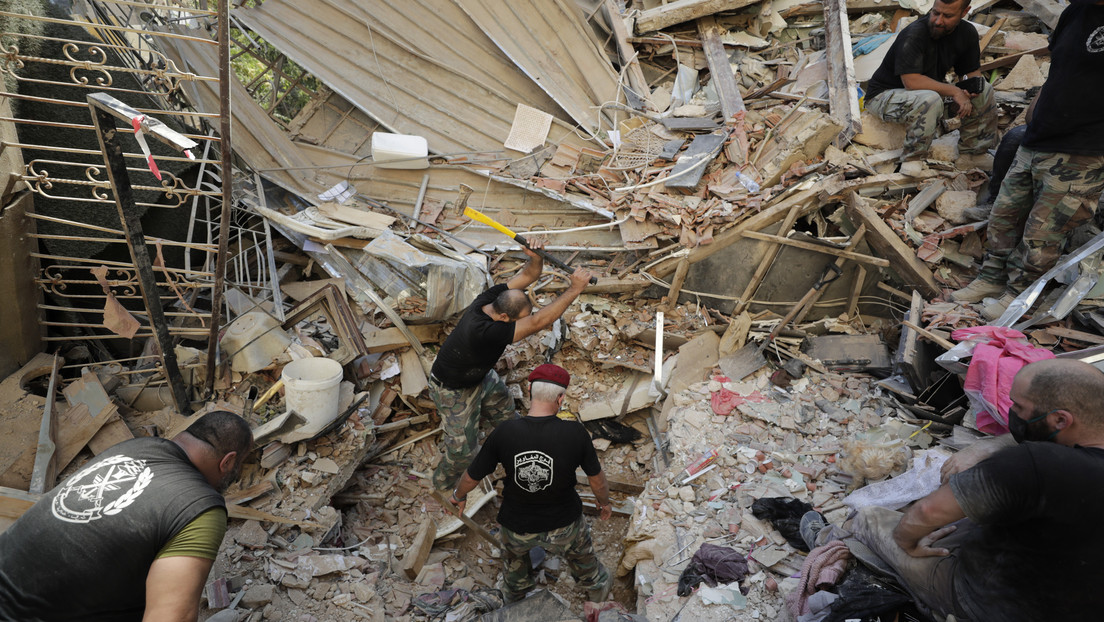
[460,411]
[921,111]
[573,543]
[1043,198]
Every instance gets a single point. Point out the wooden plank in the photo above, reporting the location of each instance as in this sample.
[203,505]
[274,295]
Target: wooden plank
[13,504]
[1012,59]
[885,241]
[819,248]
[245,512]
[412,375]
[842,87]
[393,338]
[851,245]
[474,526]
[943,343]
[113,432]
[764,264]
[637,82]
[418,552]
[683,11]
[676,284]
[992,32]
[1076,335]
[806,198]
[354,216]
[690,167]
[816,8]
[720,69]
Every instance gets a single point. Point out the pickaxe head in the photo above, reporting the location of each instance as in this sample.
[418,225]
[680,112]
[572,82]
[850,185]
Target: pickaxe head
[462,199]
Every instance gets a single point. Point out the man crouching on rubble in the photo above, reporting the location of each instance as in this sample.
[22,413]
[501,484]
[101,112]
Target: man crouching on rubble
[130,536]
[908,86]
[1014,533]
[540,507]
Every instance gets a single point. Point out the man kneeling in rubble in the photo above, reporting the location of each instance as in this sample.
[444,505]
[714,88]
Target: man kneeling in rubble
[908,86]
[540,507]
[1014,531]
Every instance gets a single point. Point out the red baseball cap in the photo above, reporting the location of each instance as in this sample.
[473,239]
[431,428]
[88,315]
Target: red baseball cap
[551,373]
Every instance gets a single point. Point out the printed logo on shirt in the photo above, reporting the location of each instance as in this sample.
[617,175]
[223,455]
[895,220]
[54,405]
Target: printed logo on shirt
[533,471]
[103,489]
[1095,43]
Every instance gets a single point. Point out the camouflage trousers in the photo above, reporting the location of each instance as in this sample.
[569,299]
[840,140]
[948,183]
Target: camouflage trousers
[921,111]
[1043,198]
[572,542]
[460,411]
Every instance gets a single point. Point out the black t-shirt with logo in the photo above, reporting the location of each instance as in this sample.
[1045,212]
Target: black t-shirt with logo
[1069,116]
[474,346]
[84,550]
[914,51]
[540,455]
[1037,552]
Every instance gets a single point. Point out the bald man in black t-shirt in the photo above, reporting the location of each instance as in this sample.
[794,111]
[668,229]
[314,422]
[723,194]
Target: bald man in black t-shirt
[463,383]
[909,85]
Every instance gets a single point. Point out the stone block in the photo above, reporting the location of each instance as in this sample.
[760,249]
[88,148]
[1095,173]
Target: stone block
[952,205]
[879,134]
[945,148]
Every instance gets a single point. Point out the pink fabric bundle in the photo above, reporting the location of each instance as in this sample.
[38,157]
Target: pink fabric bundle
[999,354]
[823,567]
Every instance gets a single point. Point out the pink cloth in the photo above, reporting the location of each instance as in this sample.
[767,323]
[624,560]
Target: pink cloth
[724,401]
[823,567]
[1000,353]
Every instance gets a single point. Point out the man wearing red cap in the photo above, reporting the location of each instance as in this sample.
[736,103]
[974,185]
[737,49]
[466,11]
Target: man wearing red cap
[540,507]
[463,383]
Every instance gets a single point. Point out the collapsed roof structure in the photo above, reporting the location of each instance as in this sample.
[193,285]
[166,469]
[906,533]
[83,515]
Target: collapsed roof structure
[302,192]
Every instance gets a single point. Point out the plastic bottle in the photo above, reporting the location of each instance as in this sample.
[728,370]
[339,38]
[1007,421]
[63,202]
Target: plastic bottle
[747,182]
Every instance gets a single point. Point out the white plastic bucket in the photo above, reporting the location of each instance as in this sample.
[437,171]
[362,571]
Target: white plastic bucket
[311,390]
[399,151]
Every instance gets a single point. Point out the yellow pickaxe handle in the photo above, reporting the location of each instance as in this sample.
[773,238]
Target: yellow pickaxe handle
[487,220]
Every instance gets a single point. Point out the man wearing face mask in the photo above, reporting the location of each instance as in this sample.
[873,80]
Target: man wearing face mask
[909,86]
[1014,532]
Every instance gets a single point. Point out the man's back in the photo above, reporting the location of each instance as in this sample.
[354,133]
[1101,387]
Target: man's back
[88,546]
[1037,551]
[540,456]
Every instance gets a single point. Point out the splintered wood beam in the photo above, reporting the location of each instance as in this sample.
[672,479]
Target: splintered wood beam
[419,550]
[819,248]
[765,263]
[720,69]
[683,11]
[843,94]
[851,245]
[637,82]
[886,242]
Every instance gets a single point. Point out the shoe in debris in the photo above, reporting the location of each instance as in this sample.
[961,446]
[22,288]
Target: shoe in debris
[992,311]
[977,290]
[811,524]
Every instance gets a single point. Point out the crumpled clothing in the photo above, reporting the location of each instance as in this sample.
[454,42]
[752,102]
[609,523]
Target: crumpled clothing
[999,354]
[712,564]
[823,567]
[784,514]
[725,401]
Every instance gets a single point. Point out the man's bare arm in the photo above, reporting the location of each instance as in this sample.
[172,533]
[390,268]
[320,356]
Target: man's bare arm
[173,588]
[918,82]
[969,457]
[532,269]
[926,522]
[600,486]
[544,317]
